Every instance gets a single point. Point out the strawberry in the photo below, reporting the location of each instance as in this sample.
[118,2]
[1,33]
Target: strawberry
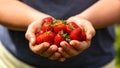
[58,28]
[58,38]
[59,25]
[47,27]
[47,20]
[45,37]
[76,34]
[61,36]
[71,26]
[39,39]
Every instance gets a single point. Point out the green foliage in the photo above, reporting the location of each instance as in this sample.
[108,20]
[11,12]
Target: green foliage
[117,46]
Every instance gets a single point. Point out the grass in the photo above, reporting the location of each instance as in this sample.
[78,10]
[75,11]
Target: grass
[117,46]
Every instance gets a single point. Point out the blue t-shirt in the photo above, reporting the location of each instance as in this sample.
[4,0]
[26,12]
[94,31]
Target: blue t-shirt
[100,52]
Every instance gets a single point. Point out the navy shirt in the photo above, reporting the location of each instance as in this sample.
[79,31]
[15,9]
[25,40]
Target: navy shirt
[100,52]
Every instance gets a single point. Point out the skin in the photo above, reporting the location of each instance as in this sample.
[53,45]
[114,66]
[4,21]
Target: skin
[92,18]
[17,16]
[66,50]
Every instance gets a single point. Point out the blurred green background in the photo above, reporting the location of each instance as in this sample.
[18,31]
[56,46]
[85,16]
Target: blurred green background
[117,46]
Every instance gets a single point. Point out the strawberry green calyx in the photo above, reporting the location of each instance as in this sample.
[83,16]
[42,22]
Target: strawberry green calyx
[66,36]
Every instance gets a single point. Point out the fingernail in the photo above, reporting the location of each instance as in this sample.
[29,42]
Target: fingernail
[46,45]
[53,49]
[71,42]
[64,44]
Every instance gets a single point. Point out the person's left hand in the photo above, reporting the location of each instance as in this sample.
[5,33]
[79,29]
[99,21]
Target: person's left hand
[75,47]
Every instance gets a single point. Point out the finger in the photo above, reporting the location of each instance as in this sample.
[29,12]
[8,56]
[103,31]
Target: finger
[55,56]
[62,59]
[79,46]
[68,49]
[50,51]
[30,33]
[90,32]
[39,49]
[63,53]
[32,39]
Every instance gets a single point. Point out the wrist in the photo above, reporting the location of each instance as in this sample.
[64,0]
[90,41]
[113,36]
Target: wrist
[80,19]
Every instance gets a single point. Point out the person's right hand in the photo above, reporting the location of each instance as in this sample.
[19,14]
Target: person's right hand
[43,49]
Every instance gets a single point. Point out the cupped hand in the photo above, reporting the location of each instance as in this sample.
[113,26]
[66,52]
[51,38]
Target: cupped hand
[75,47]
[43,49]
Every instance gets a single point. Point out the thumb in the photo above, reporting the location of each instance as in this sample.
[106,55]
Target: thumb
[32,39]
[30,36]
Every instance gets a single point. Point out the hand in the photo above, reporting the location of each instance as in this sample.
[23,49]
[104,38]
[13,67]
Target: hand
[43,49]
[75,47]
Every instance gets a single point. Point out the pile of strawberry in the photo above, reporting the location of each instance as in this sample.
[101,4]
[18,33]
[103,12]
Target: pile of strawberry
[54,31]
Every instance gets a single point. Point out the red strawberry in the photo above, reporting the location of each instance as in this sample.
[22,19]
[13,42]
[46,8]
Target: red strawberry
[76,34]
[61,36]
[45,37]
[47,27]
[71,26]
[39,39]
[59,27]
[47,19]
[58,38]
